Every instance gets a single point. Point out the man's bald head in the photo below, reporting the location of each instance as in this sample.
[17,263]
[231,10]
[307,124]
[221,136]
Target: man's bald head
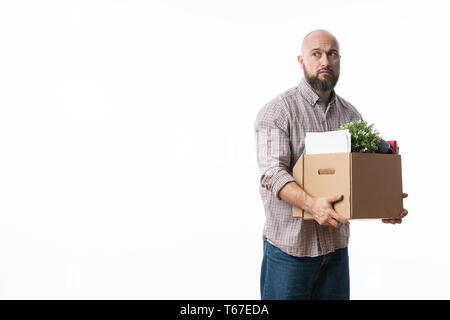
[320,60]
[313,35]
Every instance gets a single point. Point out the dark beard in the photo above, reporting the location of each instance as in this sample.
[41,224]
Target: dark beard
[321,85]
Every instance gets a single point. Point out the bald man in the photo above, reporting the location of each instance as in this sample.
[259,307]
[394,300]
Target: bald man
[303,259]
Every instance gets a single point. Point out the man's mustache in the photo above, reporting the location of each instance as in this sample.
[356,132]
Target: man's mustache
[326,69]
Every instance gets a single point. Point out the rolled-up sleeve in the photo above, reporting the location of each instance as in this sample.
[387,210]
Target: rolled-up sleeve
[273,148]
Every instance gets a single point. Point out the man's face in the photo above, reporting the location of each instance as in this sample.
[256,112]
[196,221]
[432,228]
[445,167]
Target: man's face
[320,61]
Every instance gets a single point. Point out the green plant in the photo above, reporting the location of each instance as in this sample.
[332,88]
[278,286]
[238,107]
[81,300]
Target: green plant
[364,137]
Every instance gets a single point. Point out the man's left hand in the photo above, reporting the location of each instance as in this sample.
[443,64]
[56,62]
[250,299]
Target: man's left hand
[402,215]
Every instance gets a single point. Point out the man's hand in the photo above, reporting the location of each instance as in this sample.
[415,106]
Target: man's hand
[402,215]
[323,212]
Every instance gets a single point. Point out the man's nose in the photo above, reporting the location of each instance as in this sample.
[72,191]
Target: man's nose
[324,62]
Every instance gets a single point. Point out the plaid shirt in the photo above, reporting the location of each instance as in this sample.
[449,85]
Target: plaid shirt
[280,131]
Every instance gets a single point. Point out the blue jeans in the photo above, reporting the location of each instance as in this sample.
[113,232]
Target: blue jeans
[285,277]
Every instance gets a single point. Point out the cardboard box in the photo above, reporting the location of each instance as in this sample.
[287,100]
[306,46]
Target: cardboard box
[370,182]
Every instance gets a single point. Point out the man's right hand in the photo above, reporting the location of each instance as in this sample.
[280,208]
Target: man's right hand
[321,208]
[323,212]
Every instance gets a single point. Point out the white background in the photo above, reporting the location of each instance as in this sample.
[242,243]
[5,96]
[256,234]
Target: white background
[127,157]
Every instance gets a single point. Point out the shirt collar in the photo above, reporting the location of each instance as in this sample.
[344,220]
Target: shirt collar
[311,96]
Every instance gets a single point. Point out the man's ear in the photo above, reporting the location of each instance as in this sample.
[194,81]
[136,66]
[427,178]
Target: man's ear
[300,60]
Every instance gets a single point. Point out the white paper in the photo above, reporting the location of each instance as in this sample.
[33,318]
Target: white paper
[328,142]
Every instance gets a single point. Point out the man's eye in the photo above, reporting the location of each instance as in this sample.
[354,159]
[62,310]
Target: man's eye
[316,54]
[333,54]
